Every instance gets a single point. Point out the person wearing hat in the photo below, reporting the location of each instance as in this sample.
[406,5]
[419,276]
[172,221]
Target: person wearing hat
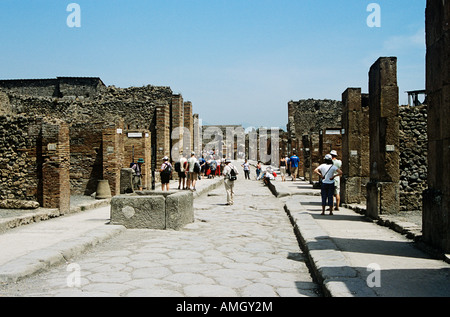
[326,172]
[165,173]
[337,179]
[137,174]
[229,184]
[192,175]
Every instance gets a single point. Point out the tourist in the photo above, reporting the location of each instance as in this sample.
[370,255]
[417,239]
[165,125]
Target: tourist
[137,174]
[212,167]
[294,161]
[326,172]
[229,183]
[192,174]
[246,167]
[337,179]
[283,164]
[258,170]
[182,172]
[165,173]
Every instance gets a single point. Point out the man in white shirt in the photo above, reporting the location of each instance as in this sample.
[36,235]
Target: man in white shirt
[182,172]
[229,184]
[192,176]
[337,179]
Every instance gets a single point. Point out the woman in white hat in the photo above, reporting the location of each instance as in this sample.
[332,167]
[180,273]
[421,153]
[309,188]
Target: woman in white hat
[326,172]
[165,173]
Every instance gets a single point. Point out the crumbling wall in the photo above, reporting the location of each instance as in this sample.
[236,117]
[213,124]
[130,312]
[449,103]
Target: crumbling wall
[413,156]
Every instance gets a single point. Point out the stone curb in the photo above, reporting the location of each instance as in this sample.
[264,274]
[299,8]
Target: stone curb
[40,260]
[330,267]
[43,259]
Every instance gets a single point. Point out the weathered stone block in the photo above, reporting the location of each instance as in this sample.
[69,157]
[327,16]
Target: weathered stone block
[139,212]
[179,210]
[126,181]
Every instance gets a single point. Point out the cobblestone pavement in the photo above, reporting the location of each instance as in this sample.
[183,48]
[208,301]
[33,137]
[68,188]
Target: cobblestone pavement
[248,249]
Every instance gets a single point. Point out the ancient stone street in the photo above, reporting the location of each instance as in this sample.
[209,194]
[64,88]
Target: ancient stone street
[248,249]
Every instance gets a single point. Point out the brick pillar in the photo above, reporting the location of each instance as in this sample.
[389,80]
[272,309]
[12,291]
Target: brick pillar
[55,166]
[137,144]
[197,134]
[436,199]
[355,146]
[113,156]
[176,126]
[188,138]
[383,188]
[162,130]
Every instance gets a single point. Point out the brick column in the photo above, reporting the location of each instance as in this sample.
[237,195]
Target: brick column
[197,134]
[162,131]
[383,188]
[113,156]
[176,125]
[55,166]
[436,199]
[355,146]
[188,139]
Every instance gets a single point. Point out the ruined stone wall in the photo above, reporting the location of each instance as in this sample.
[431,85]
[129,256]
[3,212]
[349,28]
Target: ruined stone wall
[18,158]
[34,161]
[413,156]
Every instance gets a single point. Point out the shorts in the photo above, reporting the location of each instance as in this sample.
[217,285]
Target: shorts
[192,176]
[181,174]
[337,185]
[165,178]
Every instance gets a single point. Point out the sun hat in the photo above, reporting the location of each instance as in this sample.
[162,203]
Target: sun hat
[333,152]
[141,160]
[328,157]
[165,158]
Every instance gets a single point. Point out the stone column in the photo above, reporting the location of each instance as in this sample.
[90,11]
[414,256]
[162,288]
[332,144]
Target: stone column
[162,131]
[197,134]
[113,156]
[176,126]
[355,146]
[436,199]
[383,188]
[55,166]
[188,138]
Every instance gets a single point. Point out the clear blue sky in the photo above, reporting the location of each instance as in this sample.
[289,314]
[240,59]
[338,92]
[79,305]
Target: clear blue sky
[238,61]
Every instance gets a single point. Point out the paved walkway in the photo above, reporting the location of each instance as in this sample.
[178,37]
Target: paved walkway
[349,252]
[248,249]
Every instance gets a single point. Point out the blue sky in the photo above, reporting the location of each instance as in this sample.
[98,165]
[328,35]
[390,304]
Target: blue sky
[237,61]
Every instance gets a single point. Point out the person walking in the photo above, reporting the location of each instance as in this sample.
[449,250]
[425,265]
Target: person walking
[337,179]
[258,170]
[326,172]
[283,164]
[229,180]
[137,174]
[192,174]
[182,172]
[165,173]
[246,167]
[293,162]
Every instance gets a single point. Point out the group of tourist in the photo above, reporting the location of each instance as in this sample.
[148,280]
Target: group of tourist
[191,169]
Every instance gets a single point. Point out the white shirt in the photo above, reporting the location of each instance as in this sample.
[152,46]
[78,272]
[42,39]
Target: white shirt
[182,161]
[227,170]
[191,161]
[327,170]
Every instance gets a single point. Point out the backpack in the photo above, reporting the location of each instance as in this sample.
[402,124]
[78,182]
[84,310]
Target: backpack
[177,167]
[233,175]
[167,170]
[196,167]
